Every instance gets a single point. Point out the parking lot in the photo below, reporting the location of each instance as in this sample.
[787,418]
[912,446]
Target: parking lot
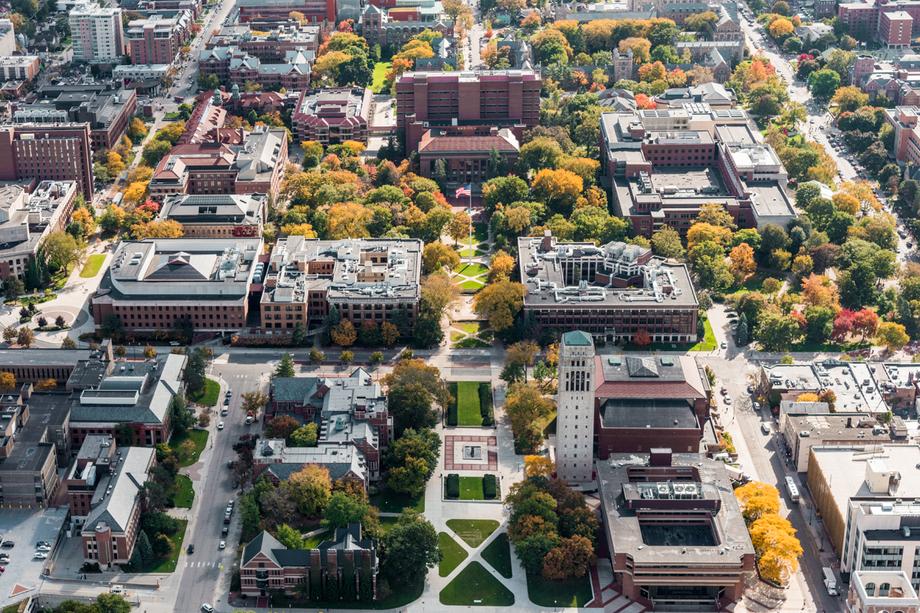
[25,527]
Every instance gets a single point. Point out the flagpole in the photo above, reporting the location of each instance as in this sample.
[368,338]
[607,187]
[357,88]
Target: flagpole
[470,215]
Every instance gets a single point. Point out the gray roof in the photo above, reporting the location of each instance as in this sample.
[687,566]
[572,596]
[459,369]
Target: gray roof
[114,508]
[42,357]
[577,338]
[343,539]
[647,413]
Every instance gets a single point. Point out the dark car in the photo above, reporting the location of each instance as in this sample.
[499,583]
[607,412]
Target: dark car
[190,549]
[8,544]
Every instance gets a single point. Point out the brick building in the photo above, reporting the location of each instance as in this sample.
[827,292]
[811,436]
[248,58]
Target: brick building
[345,565]
[234,66]
[643,402]
[269,44]
[365,280]
[611,292]
[158,39]
[467,154]
[485,99]
[60,152]
[331,116]
[674,530]
[155,284]
[279,11]
[112,525]
[217,215]
[19,67]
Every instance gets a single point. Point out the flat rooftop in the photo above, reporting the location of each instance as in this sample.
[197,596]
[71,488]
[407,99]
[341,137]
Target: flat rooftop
[840,428]
[30,449]
[654,413]
[854,383]
[769,199]
[844,470]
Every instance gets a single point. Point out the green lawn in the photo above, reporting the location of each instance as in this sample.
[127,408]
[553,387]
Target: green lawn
[471,488]
[184,492]
[709,340]
[470,327]
[570,593]
[498,555]
[472,269]
[314,541]
[390,502]
[468,406]
[380,74]
[387,523]
[168,565]
[92,265]
[474,532]
[471,342]
[199,437]
[452,554]
[471,286]
[476,586]
[396,599]
[206,396]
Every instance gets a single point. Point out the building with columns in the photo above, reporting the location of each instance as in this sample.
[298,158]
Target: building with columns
[575,408]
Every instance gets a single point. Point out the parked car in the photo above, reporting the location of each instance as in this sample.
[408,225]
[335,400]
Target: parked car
[207,608]
[44,548]
[40,555]
[222,545]
[220,425]
[190,549]
[765,428]
[8,544]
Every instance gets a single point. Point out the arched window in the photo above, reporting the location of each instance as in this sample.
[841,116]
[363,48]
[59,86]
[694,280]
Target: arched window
[883,589]
[870,589]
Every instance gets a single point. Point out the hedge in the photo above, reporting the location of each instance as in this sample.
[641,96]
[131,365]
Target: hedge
[485,404]
[452,405]
[453,485]
[490,487]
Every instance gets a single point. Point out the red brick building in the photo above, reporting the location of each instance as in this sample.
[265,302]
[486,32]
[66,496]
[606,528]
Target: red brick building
[466,153]
[60,152]
[279,11]
[331,116]
[894,28]
[158,39]
[499,98]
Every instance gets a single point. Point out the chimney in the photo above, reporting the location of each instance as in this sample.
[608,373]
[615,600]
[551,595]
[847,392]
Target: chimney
[659,456]
[549,242]
[849,422]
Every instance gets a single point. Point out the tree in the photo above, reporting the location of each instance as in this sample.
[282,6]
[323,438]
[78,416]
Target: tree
[309,489]
[848,99]
[820,323]
[60,250]
[666,243]
[459,226]
[742,262]
[823,83]
[541,152]
[819,290]
[194,371]
[893,336]
[304,436]
[570,559]
[253,401]
[112,603]
[166,228]
[522,355]
[558,189]
[7,381]
[281,426]
[154,151]
[757,499]
[505,191]
[289,537]
[525,406]
[344,509]
[344,334]
[538,466]
[501,266]
[411,407]
[776,331]
[285,366]
[24,337]
[437,255]
[500,303]
[411,548]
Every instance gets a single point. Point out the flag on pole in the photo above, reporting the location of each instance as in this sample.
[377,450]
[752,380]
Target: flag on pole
[464,190]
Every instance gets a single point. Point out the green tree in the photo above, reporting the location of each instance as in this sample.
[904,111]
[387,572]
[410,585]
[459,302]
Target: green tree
[112,603]
[60,250]
[666,243]
[285,366]
[411,548]
[823,83]
[304,436]
[344,509]
[194,371]
[775,331]
[289,537]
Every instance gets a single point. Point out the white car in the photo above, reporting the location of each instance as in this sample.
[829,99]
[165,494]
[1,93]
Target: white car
[43,548]
[40,555]
[220,425]
[222,545]
[207,608]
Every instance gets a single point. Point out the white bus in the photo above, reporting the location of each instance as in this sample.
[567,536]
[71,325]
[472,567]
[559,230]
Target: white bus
[793,489]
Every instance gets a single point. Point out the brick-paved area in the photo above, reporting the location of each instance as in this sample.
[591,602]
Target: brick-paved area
[452,462]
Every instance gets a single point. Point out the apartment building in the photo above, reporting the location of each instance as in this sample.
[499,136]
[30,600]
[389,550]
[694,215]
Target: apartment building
[19,67]
[373,280]
[52,152]
[499,98]
[865,495]
[158,39]
[674,530]
[889,23]
[27,218]
[611,292]
[97,34]
[333,115]
[216,215]
[108,112]
[874,591]
[7,38]
[661,166]
[802,431]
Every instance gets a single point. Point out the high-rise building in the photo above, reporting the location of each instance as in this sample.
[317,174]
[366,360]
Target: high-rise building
[55,152]
[575,408]
[97,34]
[158,39]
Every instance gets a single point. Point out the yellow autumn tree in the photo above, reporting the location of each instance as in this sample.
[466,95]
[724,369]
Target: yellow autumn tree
[757,499]
[538,466]
[298,229]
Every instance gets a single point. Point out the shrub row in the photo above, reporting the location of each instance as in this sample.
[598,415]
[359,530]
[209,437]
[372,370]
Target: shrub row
[452,407]
[485,404]
[453,485]
[490,487]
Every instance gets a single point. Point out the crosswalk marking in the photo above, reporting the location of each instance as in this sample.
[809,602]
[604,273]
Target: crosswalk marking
[202,564]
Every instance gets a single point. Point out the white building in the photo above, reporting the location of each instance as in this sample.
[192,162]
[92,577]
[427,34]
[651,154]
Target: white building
[575,409]
[7,38]
[97,34]
[873,521]
[876,591]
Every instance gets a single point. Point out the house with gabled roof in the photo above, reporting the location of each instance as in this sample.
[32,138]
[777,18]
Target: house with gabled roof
[344,567]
